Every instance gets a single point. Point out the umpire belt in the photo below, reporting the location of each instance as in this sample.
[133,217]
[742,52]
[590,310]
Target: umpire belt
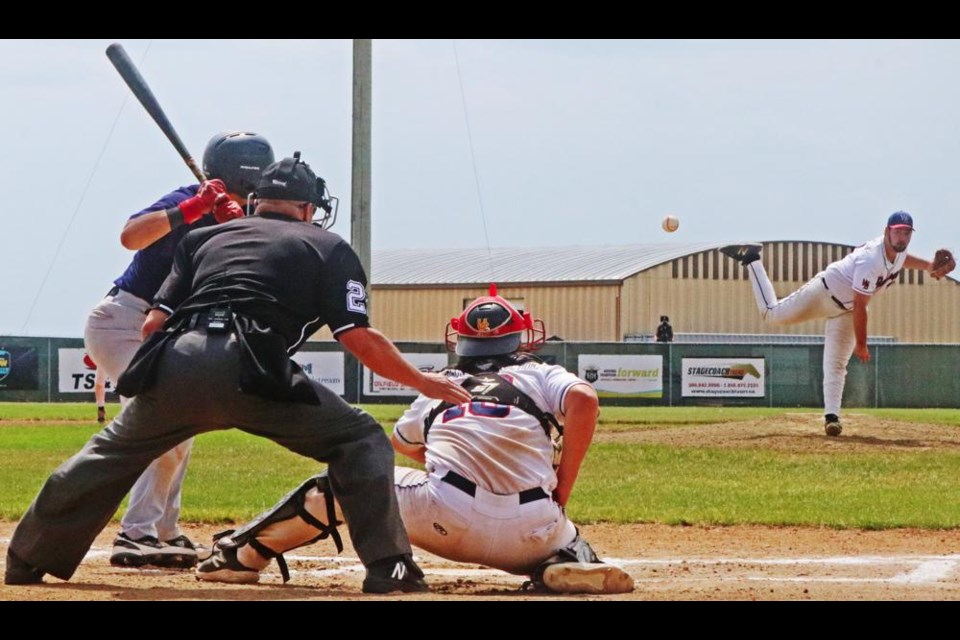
[833,297]
[469,487]
[208,322]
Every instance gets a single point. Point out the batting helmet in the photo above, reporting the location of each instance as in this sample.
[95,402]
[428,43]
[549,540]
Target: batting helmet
[491,326]
[238,158]
[293,179]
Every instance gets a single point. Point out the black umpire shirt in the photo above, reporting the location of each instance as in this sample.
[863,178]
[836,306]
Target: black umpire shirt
[281,279]
[289,275]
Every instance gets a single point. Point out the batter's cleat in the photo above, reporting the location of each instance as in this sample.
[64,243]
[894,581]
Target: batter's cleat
[101,415]
[19,572]
[586,577]
[831,424]
[742,253]
[179,553]
[128,552]
[397,573]
[223,566]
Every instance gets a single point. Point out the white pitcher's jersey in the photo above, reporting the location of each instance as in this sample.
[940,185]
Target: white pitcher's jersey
[866,270]
[499,447]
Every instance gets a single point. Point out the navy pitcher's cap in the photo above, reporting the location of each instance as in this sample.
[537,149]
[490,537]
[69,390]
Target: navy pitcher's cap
[900,219]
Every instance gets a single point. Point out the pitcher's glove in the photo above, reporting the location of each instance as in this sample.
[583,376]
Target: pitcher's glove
[943,263]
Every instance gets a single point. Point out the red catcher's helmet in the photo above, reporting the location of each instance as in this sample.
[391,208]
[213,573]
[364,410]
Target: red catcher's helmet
[491,326]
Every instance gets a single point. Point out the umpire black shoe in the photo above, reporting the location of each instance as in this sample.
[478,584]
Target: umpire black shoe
[397,573]
[831,424]
[19,572]
[742,253]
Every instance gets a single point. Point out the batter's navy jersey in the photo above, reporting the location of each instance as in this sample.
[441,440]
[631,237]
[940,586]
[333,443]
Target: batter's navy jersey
[291,275]
[151,265]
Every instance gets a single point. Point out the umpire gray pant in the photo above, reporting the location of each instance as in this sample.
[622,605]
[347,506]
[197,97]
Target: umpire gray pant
[197,391]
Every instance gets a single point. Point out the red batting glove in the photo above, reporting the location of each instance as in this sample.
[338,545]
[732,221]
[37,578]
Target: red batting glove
[226,209]
[200,205]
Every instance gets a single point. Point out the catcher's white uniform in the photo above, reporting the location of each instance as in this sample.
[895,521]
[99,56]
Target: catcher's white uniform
[497,509]
[490,494]
[830,294]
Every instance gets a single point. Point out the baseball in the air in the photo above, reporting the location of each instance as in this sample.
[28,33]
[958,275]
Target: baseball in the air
[670,223]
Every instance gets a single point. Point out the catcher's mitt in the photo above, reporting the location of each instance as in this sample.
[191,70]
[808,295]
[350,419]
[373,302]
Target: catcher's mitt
[943,263]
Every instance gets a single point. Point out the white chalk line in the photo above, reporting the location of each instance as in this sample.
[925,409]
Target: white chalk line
[923,569]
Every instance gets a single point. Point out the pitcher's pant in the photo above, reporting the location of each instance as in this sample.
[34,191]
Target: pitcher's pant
[111,337]
[810,302]
[197,391]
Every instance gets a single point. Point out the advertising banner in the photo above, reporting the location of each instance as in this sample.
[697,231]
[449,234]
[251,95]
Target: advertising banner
[723,377]
[623,376]
[374,385]
[326,367]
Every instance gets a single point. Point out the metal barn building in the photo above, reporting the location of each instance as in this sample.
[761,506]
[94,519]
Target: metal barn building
[616,293]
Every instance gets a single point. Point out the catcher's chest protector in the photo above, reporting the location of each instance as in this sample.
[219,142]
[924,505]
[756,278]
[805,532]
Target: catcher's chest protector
[493,388]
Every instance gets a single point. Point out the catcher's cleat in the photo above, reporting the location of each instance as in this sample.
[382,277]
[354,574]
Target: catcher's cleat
[223,566]
[742,253]
[19,572]
[397,573]
[128,552]
[180,553]
[586,577]
[831,424]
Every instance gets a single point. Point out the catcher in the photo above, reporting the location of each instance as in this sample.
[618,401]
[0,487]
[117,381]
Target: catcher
[496,479]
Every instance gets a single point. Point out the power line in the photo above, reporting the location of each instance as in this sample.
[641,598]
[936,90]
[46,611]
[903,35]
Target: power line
[83,195]
[473,158]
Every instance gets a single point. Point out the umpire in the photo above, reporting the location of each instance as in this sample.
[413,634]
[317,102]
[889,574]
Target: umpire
[241,298]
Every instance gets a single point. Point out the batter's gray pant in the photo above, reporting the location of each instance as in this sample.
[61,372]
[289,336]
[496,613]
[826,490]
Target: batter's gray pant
[111,337]
[197,391]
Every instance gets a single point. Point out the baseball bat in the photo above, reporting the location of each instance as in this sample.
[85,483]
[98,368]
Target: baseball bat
[128,71]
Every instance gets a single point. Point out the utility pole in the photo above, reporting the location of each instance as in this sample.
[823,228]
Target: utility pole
[360,184]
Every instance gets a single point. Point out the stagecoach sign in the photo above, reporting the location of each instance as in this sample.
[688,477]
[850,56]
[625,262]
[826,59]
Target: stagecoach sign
[724,377]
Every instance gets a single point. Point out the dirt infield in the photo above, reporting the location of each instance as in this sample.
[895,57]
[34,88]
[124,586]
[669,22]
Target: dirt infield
[667,563]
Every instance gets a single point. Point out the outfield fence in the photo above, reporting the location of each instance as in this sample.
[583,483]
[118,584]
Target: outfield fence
[36,369]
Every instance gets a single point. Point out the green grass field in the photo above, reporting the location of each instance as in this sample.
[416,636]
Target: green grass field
[233,476]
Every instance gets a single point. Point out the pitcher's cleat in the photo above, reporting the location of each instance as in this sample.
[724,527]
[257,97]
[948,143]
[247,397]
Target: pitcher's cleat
[742,253]
[831,424]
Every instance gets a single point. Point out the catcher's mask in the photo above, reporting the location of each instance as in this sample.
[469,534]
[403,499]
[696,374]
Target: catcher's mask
[238,158]
[491,326]
[293,179]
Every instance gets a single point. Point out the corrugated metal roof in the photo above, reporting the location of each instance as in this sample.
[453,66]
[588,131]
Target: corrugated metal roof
[607,263]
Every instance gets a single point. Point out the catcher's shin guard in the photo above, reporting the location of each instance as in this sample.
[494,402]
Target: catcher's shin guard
[303,516]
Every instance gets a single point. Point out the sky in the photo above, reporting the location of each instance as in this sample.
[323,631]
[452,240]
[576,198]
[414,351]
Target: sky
[484,143]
